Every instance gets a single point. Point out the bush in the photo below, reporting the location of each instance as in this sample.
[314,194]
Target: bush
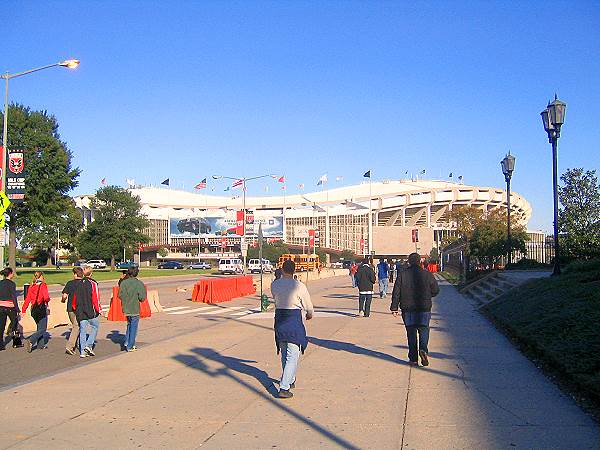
[582,266]
[527,263]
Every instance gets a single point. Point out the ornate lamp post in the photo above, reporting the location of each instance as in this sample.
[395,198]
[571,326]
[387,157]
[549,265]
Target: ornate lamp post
[553,118]
[508,165]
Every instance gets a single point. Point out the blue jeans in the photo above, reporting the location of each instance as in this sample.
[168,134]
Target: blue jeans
[423,340]
[84,340]
[383,287]
[353,280]
[364,303]
[290,354]
[131,333]
[39,335]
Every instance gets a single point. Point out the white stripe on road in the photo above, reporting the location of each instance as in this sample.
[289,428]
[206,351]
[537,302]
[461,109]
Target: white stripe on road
[194,310]
[225,310]
[175,308]
[243,313]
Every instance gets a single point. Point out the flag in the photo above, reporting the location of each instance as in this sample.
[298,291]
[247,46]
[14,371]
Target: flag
[301,186]
[322,180]
[460,178]
[450,176]
[340,178]
[281,179]
[238,183]
[406,173]
[266,188]
[201,185]
[103,181]
[423,172]
[130,182]
[227,188]
[283,187]
[367,174]
[165,182]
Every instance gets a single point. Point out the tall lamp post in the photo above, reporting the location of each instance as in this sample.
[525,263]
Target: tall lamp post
[243,180]
[553,118]
[508,165]
[69,63]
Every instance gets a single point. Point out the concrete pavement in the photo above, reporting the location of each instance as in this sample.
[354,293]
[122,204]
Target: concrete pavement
[215,388]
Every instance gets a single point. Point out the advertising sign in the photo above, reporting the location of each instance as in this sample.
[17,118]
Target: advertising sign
[189,225]
[15,175]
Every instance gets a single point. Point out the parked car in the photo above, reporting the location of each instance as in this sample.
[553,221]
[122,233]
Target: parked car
[231,265]
[170,265]
[346,264]
[126,265]
[199,265]
[96,264]
[337,265]
[254,266]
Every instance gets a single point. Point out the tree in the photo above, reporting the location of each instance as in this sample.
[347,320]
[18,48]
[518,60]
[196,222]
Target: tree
[163,252]
[118,224]
[50,177]
[348,255]
[579,217]
[272,251]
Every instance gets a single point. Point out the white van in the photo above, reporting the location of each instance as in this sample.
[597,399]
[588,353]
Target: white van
[254,266]
[231,265]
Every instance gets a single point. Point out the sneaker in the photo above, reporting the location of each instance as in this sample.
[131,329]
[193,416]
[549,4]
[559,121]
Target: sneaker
[88,351]
[44,347]
[83,355]
[361,314]
[28,346]
[424,357]
[285,394]
[132,349]
[293,385]
[69,351]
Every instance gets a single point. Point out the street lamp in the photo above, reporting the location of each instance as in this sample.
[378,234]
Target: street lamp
[70,64]
[553,117]
[243,180]
[508,165]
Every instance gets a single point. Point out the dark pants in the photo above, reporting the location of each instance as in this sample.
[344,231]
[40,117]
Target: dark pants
[12,314]
[40,334]
[415,344]
[364,303]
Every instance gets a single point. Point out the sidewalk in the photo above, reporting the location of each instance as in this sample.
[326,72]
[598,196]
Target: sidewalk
[214,389]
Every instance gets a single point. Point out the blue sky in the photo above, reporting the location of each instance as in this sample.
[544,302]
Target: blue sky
[188,89]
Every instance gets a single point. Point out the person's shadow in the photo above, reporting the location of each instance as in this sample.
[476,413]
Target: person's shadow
[353,348]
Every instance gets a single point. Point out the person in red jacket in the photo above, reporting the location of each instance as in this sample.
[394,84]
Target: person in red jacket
[38,298]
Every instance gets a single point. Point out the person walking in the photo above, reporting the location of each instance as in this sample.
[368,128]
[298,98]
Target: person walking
[291,298]
[392,267]
[68,293]
[352,271]
[38,298]
[86,303]
[9,308]
[131,292]
[413,290]
[365,279]
[383,273]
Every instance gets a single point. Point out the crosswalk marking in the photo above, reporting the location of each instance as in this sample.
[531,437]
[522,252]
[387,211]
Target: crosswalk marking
[193,310]
[243,313]
[224,310]
[175,308]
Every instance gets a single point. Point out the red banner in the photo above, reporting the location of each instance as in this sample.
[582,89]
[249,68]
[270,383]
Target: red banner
[362,246]
[239,225]
[311,238]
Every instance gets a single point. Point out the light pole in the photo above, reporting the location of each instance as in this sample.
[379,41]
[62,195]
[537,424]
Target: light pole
[553,118]
[69,63]
[508,165]
[243,180]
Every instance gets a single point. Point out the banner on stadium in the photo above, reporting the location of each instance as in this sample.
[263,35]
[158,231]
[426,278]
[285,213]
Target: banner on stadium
[189,224]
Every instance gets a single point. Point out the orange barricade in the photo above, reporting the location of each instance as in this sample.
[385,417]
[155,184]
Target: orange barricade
[216,290]
[433,268]
[115,312]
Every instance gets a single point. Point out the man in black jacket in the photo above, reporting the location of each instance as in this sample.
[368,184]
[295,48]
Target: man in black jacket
[413,290]
[365,278]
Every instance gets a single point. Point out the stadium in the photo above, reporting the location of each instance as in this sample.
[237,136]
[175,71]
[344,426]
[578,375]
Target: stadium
[406,216]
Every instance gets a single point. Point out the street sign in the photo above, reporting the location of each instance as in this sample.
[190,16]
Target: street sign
[4,204]
[15,175]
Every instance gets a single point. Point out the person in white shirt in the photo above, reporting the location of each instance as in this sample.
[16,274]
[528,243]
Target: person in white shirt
[291,299]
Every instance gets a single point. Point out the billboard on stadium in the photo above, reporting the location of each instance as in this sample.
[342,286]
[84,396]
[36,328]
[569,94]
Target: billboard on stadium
[190,224]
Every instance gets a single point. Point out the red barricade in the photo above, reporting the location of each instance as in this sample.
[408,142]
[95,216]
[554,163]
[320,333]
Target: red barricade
[115,312]
[216,290]
[433,268]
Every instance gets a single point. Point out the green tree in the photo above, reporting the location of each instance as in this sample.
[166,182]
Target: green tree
[489,240]
[118,224]
[271,251]
[348,255]
[163,252]
[50,177]
[579,217]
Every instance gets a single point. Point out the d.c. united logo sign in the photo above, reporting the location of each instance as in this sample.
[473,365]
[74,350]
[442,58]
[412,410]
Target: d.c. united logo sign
[15,162]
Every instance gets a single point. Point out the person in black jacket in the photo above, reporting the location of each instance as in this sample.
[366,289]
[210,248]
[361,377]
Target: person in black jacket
[365,279]
[413,290]
[9,308]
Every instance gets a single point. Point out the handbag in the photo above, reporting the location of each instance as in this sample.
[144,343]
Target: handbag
[38,310]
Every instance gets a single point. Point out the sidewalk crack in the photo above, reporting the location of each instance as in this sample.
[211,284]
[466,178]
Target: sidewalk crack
[406,408]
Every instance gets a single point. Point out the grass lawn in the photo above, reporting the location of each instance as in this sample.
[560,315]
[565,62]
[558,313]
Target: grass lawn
[61,276]
[555,321]
[451,278]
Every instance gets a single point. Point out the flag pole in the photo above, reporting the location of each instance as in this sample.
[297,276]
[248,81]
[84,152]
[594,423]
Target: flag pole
[370,229]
